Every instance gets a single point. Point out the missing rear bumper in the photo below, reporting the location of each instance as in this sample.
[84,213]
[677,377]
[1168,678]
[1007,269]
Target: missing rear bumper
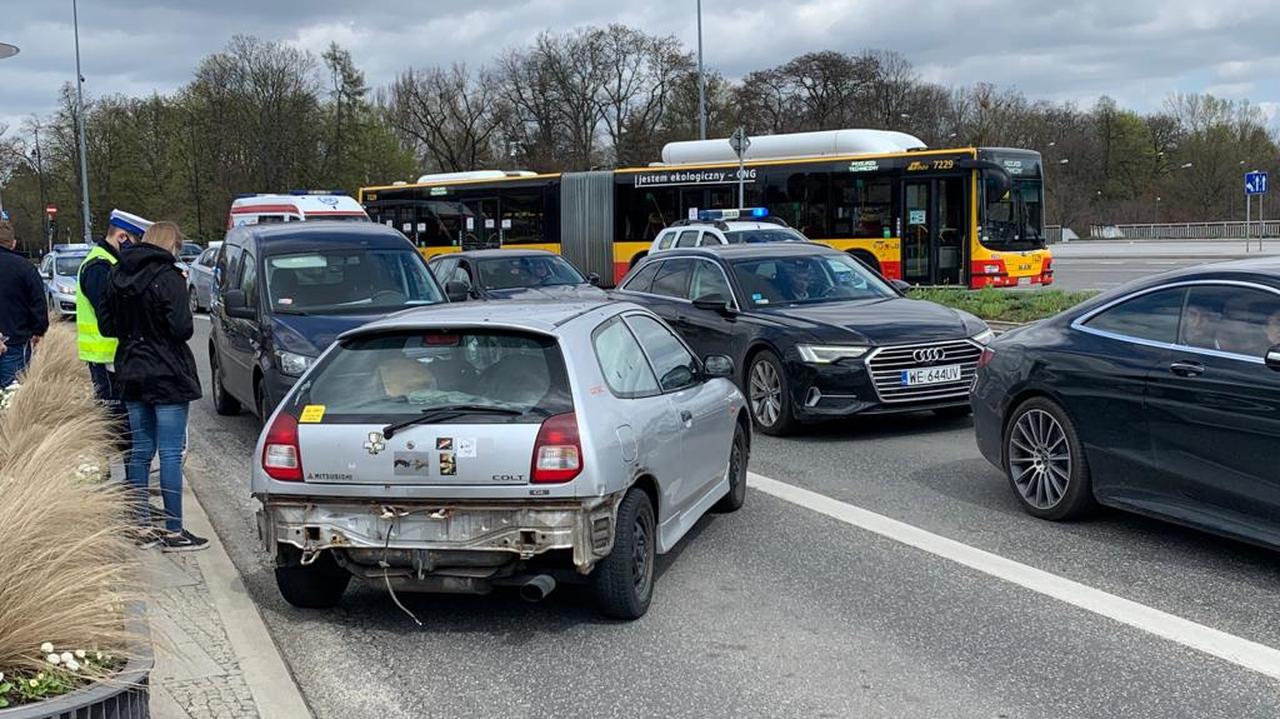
[440,535]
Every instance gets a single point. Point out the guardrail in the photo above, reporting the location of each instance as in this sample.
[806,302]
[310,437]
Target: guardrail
[1186,231]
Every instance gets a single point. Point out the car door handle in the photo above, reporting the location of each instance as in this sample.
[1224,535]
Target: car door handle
[1184,368]
[686,416]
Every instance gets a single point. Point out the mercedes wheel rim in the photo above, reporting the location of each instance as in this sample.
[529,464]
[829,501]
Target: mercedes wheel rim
[766,393]
[216,381]
[195,302]
[1040,459]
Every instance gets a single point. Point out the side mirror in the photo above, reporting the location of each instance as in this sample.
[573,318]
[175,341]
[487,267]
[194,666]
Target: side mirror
[717,366]
[593,279]
[713,303]
[457,291]
[901,286]
[1272,358]
[235,304]
[46,275]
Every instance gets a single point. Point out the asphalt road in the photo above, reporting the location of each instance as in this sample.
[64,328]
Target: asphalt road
[1102,265]
[778,611]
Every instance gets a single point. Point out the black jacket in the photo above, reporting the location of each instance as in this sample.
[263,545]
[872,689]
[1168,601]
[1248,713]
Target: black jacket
[146,309]
[93,278]
[23,312]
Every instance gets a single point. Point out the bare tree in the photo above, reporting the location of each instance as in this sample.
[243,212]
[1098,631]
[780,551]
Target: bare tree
[451,117]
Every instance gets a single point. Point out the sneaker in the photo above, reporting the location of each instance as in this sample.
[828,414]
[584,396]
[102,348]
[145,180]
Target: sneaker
[183,541]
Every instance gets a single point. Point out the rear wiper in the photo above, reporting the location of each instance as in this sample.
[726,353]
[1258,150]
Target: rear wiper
[435,414]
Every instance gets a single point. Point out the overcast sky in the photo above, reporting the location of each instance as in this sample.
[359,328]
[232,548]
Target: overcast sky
[1137,51]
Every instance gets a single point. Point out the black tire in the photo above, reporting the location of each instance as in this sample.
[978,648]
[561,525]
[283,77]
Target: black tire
[319,585]
[260,399]
[223,402]
[867,259]
[739,456]
[1035,467]
[784,422]
[193,300]
[957,412]
[623,581]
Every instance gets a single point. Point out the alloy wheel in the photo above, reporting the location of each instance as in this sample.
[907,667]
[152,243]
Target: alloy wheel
[1040,458]
[195,301]
[766,393]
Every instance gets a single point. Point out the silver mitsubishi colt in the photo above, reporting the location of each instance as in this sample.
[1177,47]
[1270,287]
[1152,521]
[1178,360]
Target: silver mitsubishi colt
[465,447]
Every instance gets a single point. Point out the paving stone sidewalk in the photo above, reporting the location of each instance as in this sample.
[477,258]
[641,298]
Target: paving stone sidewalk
[214,658]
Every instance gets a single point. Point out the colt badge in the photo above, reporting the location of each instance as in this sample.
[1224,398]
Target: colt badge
[375,443]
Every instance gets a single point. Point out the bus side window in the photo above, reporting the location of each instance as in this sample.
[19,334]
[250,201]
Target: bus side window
[642,213]
[522,216]
[863,205]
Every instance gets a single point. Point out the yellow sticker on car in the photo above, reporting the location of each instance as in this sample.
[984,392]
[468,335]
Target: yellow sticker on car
[312,413]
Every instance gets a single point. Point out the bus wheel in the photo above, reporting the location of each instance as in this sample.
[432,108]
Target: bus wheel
[867,259]
[639,256]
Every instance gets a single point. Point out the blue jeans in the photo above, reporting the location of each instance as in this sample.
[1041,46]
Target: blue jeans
[155,427]
[13,361]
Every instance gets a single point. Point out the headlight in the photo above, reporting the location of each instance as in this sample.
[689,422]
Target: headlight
[64,289]
[985,336]
[826,354]
[292,364]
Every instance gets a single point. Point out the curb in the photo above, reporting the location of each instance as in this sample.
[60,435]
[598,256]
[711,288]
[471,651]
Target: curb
[270,682]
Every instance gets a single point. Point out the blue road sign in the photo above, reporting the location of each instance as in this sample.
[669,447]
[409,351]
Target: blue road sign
[1255,183]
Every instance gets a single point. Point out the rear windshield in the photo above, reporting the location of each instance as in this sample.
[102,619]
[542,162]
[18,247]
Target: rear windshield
[738,237]
[394,376]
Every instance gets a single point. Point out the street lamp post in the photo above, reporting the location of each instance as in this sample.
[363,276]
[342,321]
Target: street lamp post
[702,83]
[1156,220]
[84,163]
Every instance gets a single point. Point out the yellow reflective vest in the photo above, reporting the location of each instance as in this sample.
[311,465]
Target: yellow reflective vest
[93,346]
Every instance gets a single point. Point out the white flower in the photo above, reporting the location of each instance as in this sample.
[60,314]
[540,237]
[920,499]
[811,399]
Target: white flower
[33,683]
[67,658]
[53,659]
[80,654]
[1,676]
[98,656]
[73,665]
[46,648]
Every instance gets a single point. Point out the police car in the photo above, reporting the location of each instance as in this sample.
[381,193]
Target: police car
[726,227]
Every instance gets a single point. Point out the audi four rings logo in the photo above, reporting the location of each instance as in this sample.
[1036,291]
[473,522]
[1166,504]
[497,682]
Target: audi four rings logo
[929,354]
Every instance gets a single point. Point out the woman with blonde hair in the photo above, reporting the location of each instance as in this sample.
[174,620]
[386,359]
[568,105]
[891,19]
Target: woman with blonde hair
[148,312]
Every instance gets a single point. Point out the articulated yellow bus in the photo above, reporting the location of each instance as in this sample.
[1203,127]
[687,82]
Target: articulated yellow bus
[969,217]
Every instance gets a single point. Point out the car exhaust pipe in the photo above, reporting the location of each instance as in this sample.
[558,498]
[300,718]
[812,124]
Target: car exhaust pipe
[537,588]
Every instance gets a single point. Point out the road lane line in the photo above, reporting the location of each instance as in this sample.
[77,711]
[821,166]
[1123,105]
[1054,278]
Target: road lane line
[1229,647]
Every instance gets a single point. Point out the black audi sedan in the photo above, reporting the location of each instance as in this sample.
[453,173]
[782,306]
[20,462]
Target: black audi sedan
[512,275]
[814,334]
[1162,397]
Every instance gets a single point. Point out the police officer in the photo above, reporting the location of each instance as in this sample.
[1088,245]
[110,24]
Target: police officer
[24,317]
[123,230]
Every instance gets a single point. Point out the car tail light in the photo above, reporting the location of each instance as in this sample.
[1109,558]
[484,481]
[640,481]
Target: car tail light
[281,458]
[557,453]
[985,358]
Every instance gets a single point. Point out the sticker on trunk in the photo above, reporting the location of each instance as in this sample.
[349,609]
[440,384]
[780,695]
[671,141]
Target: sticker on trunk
[411,464]
[312,413]
[444,443]
[448,466]
[466,448]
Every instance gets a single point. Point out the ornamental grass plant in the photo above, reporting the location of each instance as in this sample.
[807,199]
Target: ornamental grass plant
[66,561]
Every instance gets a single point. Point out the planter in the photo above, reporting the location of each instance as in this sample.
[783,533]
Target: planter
[127,696]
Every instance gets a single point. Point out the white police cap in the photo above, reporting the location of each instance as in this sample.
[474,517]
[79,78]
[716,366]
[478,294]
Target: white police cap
[129,222]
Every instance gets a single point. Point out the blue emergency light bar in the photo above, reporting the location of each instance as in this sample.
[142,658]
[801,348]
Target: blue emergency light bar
[733,214]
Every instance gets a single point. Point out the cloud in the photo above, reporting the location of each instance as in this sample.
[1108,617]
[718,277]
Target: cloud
[1137,51]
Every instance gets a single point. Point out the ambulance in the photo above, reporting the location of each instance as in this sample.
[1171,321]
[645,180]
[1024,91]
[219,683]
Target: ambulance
[252,209]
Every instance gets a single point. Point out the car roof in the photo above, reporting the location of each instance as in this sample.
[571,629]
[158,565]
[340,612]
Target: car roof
[483,254]
[305,235]
[540,316]
[73,249]
[755,250]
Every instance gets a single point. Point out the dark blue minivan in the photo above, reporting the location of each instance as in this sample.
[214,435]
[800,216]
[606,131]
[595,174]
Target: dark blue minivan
[284,292]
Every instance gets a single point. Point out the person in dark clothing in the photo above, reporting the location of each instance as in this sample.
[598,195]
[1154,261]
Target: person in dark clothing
[24,316]
[123,230]
[146,310]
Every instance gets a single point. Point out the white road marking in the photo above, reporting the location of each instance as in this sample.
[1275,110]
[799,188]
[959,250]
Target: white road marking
[1237,650]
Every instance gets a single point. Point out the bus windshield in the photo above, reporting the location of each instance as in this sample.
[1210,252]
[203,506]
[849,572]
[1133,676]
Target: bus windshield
[1015,220]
